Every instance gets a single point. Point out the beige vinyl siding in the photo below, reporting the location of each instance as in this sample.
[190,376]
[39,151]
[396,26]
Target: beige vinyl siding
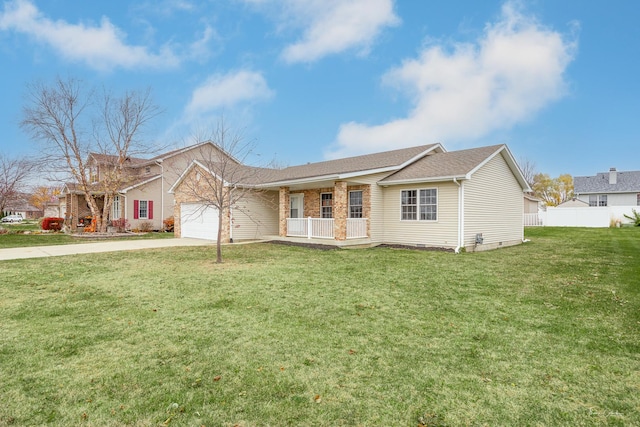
[150,191]
[440,233]
[376,220]
[494,206]
[256,216]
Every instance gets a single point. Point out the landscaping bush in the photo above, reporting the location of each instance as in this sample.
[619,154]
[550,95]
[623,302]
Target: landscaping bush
[145,226]
[168,224]
[635,217]
[121,224]
[52,223]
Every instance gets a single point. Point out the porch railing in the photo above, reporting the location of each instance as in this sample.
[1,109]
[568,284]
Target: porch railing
[322,228]
[356,228]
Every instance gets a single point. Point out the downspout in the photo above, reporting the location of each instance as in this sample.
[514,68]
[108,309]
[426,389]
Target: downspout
[230,219]
[159,163]
[460,215]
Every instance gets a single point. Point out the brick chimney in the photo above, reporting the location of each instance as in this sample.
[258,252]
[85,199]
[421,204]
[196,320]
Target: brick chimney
[613,176]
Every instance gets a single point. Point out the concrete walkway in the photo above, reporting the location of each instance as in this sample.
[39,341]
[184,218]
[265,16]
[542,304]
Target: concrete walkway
[97,247]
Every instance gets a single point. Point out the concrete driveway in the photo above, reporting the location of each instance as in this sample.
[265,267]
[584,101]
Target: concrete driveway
[97,247]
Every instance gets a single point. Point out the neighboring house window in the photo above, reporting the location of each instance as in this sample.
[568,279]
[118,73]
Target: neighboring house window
[429,205]
[115,208]
[598,200]
[419,205]
[409,204]
[142,209]
[638,197]
[147,170]
[326,205]
[355,204]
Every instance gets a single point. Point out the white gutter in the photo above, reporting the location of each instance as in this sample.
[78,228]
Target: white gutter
[159,163]
[460,214]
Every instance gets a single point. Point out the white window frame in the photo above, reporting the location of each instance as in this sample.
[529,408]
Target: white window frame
[598,200]
[330,207]
[146,209]
[361,205]
[115,208]
[419,208]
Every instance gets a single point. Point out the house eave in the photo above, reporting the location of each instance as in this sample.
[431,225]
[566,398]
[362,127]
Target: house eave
[421,180]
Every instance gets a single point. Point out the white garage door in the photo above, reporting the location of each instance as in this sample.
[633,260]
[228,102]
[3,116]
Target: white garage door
[198,221]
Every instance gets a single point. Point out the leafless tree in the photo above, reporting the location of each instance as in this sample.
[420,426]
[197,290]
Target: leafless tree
[74,121]
[219,175]
[529,170]
[13,175]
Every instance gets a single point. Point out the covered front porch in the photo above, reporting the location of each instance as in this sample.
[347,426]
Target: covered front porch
[339,213]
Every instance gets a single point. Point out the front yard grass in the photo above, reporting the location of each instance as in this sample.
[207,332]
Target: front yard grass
[546,333]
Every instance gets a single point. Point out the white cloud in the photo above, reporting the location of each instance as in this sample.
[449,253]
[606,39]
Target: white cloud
[222,91]
[515,69]
[331,26]
[100,46]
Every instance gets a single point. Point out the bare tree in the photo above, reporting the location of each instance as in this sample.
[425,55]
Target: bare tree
[13,175]
[73,121]
[529,170]
[219,177]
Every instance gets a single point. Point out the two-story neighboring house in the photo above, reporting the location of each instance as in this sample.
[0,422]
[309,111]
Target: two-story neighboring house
[142,199]
[611,188]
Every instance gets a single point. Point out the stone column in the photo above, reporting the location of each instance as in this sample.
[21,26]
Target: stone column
[340,210]
[283,211]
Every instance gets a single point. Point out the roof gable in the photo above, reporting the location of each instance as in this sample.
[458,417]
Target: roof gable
[454,165]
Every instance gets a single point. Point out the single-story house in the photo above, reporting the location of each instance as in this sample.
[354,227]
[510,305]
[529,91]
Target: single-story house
[611,188]
[420,196]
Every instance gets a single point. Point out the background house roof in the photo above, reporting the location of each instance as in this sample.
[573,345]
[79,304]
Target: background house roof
[627,182]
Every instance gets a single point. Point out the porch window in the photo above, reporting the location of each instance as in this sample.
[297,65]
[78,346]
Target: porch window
[355,204]
[598,200]
[419,205]
[326,205]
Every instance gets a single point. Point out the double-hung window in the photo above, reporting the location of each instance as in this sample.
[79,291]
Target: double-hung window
[326,205]
[429,205]
[409,205]
[419,205]
[355,204]
[142,209]
[598,200]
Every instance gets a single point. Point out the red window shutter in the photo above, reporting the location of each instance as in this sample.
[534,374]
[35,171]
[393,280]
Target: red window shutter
[136,209]
[150,209]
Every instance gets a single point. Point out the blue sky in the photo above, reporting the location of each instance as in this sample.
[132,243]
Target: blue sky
[558,81]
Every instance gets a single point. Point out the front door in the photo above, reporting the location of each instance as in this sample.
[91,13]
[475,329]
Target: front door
[296,222]
[296,209]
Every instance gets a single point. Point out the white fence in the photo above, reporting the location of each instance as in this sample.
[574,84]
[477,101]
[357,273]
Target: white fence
[581,217]
[322,228]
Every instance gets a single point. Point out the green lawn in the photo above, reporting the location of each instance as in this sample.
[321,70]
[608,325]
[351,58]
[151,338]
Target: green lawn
[542,334]
[29,234]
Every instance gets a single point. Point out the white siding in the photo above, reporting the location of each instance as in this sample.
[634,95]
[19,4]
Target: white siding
[616,199]
[494,206]
[256,216]
[440,233]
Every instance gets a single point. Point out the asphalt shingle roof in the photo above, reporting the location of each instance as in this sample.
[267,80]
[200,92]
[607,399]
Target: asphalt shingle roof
[627,182]
[365,162]
[439,165]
